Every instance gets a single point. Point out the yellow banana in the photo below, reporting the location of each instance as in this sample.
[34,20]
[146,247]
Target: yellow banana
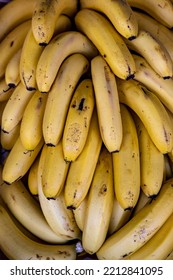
[150,110]
[81,173]
[12,76]
[99,204]
[107,101]
[142,201]
[139,229]
[15,107]
[108,41]
[32,177]
[57,104]
[60,47]
[118,12]
[2,106]
[161,10]
[153,51]
[45,15]
[17,246]
[79,213]
[5,91]
[31,124]
[126,164]
[19,161]
[9,139]
[78,120]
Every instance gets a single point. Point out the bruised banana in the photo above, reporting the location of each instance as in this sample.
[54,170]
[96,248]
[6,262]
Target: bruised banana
[126,164]
[150,110]
[60,95]
[81,173]
[118,12]
[108,41]
[59,48]
[139,229]
[78,120]
[12,76]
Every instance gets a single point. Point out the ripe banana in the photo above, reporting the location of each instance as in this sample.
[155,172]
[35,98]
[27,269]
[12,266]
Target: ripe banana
[150,110]
[159,10]
[11,43]
[79,213]
[54,171]
[126,164]
[99,204]
[60,47]
[12,76]
[5,91]
[32,177]
[153,51]
[146,75]
[81,173]
[19,161]
[118,12]
[139,229]
[142,201]
[45,15]
[78,120]
[15,107]
[108,41]
[17,246]
[13,14]
[57,104]
[31,124]
[9,139]
[107,101]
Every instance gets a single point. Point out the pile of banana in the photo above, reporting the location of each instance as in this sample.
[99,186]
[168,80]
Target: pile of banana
[86,117]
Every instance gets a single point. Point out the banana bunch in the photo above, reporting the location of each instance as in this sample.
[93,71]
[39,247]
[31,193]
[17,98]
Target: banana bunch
[86,129]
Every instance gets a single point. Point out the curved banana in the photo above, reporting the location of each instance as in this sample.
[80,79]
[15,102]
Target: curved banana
[19,161]
[108,41]
[12,76]
[5,91]
[57,104]
[81,173]
[11,43]
[17,246]
[13,14]
[126,164]
[142,201]
[31,124]
[45,15]
[150,110]
[15,107]
[32,177]
[29,59]
[153,51]
[60,47]
[118,12]
[2,106]
[79,213]
[159,10]
[9,139]
[146,75]
[107,101]
[99,204]
[141,228]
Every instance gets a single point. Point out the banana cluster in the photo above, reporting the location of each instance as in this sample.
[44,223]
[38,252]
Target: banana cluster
[86,117]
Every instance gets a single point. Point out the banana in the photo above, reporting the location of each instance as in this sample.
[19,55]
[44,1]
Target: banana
[29,59]
[78,120]
[81,173]
[65,225]
[146,75]
[79,213]
[159,246]
[99,204]
[5,90]
[142,201]
[31,124]
[151,161]
[108,41]
[54,171]
[13,14]
[15,107]
[32,177]
[141,228]
[64,84]
[9,139]
[150,110]
[59,48]
[45,15]
[17,246]
[118,12]
[2,106]
[161,10]
[19,161]
[12,76]
[126,164]
[11,43]
[153,51]
[107,101]
[167,172]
